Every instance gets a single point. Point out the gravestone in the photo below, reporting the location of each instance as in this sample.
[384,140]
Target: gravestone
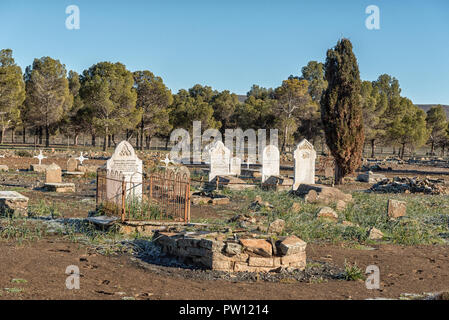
[270,162]
[235,166]
[72,165]
[53,174]
[219,160]
[125,162]
[305,156]
[53,180]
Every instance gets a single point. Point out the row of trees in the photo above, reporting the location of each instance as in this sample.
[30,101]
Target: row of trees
[107,100]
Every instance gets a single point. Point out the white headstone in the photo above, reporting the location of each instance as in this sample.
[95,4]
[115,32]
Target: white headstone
[270,162]
[219,160]
[125,162]
[305,156]
[235,166]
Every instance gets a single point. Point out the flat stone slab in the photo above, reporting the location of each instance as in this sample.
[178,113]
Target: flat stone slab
[64,187]
[73,173]
[103,221]
[12,195]
[13,203]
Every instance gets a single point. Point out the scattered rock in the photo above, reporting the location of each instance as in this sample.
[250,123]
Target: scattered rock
[396,208]
[4,168]
[341,205]
[277,183]
[375,234]
[277,226]
[327,213]
[370,177]
[319,194]
[296,207]
[411,185]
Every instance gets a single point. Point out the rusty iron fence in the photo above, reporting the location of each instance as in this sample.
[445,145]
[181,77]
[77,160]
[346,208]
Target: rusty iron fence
[156,196]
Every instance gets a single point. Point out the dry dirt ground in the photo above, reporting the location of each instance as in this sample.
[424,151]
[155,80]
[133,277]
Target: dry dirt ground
[43,263]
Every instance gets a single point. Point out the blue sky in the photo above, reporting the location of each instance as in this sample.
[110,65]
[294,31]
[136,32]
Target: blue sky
[234,44]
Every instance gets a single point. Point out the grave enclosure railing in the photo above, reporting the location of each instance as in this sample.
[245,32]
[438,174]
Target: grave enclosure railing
[160,196]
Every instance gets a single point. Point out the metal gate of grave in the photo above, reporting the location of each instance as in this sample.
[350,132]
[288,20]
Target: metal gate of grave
[158,196]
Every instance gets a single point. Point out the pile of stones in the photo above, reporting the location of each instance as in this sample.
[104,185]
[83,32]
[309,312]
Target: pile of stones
[215,251]
[411,185]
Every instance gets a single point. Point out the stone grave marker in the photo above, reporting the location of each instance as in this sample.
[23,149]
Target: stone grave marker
[235,166]
[219,160]
[270,162]
[72,165]
[53,174]
[304,156]
[125,162]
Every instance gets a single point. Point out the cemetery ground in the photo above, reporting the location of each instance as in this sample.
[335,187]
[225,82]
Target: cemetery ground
[413,255]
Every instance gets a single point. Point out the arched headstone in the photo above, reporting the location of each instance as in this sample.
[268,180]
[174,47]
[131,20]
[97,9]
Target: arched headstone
[305,156]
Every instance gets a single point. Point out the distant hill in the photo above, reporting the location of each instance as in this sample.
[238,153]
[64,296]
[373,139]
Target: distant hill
[426,107]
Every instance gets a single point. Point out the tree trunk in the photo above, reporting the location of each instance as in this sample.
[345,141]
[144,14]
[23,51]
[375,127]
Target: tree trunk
[94,140]
[148,141]
[432,149]
[24,130]
[75,139]
[338,176]
[141,134]
[2,133]
[40,135]
[106,140]
[402,151]
[372,148]
[13,135]
[47,136]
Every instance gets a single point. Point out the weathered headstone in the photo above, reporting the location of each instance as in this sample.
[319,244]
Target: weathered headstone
[219,160]
[235,166]
[305,156]
[125,161]
[53,174]
[72,165]
[396,208]
[270,162]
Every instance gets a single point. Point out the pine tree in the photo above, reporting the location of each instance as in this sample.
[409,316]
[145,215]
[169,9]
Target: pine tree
[107,90]
[341,109]
[48,96]
[153,99]
[12,92]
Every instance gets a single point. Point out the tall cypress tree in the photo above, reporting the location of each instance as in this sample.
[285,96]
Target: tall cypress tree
[341,109]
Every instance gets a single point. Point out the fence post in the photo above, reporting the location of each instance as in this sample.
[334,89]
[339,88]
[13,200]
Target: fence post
[96,193]
[187,203]
[123,199]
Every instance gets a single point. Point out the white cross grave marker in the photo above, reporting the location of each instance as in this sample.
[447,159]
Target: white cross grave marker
[40,157]
[167,161]
[81,158]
